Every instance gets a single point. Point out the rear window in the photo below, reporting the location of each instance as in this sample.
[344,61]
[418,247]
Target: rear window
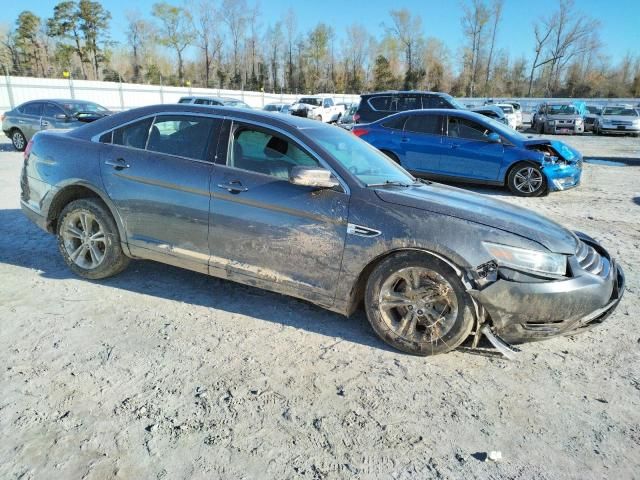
[180,135]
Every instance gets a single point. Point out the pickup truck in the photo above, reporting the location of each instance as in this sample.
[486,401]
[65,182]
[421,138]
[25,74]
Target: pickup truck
[318,107]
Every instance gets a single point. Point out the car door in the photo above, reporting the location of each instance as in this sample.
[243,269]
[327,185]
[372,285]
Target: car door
[29,119]
[422,143]
[157,172]
[264,228]
[49,119]
[468,153]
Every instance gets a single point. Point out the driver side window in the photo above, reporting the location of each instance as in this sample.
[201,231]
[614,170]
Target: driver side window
[258,151]
[467,129]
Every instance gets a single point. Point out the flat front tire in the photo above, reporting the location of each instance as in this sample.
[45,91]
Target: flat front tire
[417,304]
[89,241]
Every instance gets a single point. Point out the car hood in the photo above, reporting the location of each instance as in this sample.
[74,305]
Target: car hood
[480,209]
[570,154]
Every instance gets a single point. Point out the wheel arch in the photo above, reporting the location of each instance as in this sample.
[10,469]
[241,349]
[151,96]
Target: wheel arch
[76,191]
[359,286]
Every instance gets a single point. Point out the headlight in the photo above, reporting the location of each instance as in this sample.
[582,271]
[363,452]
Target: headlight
[524,259]
[578,121]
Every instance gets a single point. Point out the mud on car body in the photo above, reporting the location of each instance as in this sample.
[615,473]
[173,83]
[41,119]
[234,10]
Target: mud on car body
[309,210]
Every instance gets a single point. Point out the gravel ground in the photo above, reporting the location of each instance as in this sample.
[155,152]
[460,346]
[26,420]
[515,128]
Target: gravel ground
[164,373]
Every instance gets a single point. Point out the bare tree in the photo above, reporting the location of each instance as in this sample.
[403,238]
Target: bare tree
[496,12]
[542,30]
[208,35]
[408,31]
[290,27]
[139,35]
[234,15]
[274,39]
[474,20]
[175,30]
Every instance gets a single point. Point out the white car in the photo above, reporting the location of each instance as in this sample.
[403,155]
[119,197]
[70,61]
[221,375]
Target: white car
[510,114]
[318,107]
[517,108]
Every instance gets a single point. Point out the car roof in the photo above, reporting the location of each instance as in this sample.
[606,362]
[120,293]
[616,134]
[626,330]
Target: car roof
[275,120]
[58,100]
[390,92]
[436,111]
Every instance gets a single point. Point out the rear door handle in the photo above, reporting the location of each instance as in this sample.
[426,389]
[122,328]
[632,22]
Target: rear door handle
[233,187]
[117,164]
[454,145]
[404,140]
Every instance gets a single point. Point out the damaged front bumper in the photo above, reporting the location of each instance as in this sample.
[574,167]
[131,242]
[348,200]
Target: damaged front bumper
[562,176]
[524,312]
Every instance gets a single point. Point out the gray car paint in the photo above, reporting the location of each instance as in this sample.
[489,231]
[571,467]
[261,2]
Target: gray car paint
[295,240]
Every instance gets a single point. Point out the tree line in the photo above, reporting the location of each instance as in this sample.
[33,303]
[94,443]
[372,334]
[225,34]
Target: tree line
[226,44]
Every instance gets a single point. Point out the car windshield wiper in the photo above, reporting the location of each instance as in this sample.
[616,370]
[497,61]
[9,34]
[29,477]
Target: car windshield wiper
[389,183]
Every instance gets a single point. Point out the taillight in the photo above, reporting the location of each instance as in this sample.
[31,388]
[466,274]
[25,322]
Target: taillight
[356,117]
[27,150]
[358,132]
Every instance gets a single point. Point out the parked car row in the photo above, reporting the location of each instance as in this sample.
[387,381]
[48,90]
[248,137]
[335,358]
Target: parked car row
[309,210]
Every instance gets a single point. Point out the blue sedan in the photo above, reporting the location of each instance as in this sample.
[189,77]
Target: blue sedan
[463,146]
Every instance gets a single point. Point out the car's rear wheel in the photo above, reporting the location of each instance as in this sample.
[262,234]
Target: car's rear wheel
[417,304]
[19,140]
[89,241]
[527,180]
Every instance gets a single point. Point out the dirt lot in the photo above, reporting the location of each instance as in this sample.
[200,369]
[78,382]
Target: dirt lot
[166,374]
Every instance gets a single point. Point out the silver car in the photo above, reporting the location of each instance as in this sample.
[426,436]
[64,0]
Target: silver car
[620,119]
[558,117]
[24,121]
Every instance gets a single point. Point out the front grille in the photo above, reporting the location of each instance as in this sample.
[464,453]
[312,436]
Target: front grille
[591,261]
[564,122]
[621,122]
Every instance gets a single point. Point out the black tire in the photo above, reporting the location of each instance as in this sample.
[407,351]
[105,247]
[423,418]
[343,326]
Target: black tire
[516,189]
[458,326]
[18,139]
[113,260]
[392,156]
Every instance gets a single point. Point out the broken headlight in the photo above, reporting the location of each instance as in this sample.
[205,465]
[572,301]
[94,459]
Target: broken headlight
[527,260]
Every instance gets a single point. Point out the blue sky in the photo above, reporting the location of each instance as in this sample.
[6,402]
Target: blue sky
[620,19]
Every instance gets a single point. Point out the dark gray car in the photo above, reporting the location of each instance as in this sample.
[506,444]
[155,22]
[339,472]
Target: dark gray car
[309,210]
[24,121]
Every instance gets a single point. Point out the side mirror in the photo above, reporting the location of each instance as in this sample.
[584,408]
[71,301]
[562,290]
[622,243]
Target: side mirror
[494,138]
[313,177]
[61,116]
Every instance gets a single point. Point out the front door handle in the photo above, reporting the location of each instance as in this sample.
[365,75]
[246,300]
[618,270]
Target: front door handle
[454,145]
[117,164]
[44,123]
[404,140]
[233,187]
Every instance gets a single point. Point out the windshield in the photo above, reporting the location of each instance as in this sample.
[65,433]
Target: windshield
[454,102]
[504,130]
[622,111]
[561,109]
[311,101]
[75,107]
[592,109]
[364,161]
[271,108]
[236,103]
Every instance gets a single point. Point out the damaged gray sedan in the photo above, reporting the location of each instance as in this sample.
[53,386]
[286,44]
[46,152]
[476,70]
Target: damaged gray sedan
[309,210]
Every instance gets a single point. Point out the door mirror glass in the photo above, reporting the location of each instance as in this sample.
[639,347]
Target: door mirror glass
[494,138]
[61,116]
[312,177]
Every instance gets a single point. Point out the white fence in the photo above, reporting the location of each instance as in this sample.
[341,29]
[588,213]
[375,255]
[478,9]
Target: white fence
[121,96]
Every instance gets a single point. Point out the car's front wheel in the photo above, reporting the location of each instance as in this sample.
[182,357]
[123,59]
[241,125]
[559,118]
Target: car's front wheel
[19,140]
[89,241]
[417,304]
[527,180]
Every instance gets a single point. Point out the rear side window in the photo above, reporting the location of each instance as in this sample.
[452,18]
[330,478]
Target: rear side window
[396,123]
[51,110]
[435,101]
[408,103]
[133,135]
[181,135]
[431,124]
[184,100]
[382,104]
[32,109]
[201,101]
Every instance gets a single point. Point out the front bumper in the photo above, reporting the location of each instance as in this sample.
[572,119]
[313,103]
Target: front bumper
[622,129]
[564,128]
[563,177]
[525,312]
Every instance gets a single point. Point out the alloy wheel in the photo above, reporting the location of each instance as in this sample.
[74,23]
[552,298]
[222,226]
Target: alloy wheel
[18,140]
[528,180]
[84,239]
[418,304]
